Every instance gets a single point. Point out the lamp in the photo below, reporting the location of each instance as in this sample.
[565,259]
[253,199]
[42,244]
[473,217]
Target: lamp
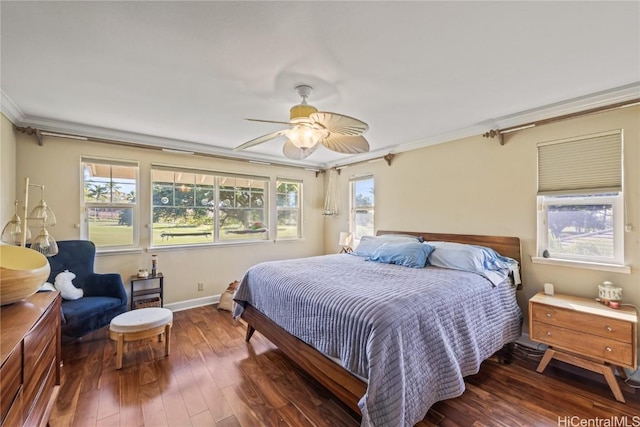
[17,234]
[345,242]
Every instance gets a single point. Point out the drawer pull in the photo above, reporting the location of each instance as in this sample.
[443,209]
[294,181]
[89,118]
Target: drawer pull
[609,349]
[609,329]
[548,314]
[548,334]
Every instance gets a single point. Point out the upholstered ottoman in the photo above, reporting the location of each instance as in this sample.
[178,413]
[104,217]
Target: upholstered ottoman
[140,324]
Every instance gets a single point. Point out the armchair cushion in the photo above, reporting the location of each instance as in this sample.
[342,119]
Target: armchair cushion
[104,294]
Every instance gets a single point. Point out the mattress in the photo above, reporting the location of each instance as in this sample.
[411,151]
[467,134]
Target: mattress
[413,334]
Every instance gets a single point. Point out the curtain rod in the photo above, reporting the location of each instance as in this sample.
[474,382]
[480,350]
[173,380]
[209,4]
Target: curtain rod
[501,132]
[40,133]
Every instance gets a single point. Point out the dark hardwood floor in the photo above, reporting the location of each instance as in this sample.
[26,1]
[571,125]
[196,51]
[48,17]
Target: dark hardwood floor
[214,378]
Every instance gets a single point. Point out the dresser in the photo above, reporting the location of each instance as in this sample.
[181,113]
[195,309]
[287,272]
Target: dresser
[30,369]
[585,333]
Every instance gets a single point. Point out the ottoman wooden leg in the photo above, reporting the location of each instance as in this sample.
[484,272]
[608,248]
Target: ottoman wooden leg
[167,339]
[119,350]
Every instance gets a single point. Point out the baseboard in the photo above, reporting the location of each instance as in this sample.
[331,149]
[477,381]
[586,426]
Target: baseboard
[192,303]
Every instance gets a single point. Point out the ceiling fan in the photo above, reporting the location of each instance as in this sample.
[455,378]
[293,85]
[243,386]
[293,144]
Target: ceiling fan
[309,127]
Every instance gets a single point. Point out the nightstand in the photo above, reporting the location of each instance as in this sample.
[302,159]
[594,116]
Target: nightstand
[585,333]
[158,290]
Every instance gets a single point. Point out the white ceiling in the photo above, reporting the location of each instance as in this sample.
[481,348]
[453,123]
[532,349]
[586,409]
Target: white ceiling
[186,74]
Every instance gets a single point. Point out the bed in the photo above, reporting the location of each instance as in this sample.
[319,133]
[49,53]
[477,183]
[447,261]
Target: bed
[387,340]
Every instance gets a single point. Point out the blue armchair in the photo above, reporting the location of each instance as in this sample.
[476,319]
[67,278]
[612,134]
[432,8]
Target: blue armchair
[104,294]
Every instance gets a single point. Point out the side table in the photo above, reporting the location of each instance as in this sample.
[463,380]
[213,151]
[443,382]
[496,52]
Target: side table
[585,333]
[147,291]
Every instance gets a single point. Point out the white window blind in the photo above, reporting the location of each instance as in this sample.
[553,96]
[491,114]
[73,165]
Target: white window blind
[587,164]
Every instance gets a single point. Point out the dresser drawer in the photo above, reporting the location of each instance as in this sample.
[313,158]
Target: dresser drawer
[601,326]
[600,348]
[14,416]
[41,400]
[38,339]
[34,381]
[10,380]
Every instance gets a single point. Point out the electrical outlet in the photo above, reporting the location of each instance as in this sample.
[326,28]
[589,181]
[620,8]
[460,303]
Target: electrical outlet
[201,286]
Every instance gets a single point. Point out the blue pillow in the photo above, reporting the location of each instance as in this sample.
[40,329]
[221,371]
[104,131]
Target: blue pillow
[369,244]
[474,258]
[408,254]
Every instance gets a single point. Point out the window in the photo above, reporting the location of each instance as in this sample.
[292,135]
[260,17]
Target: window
[580,199]
[362,206]
[109,202]
[200,207]
[288,210]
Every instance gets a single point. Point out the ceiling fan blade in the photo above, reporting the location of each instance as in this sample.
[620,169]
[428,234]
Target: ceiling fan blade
[346,144]
[293,152]
[270,121]
[260,140]
[339,123]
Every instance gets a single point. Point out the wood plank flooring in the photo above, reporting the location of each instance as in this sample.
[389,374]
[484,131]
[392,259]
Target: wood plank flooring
[214,378]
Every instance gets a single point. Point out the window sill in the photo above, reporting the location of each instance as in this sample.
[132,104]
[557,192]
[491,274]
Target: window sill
[120,251]
[207,245]
[614,268]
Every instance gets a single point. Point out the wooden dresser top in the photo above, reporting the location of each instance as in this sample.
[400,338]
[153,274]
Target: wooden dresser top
[586,305]
[18,318]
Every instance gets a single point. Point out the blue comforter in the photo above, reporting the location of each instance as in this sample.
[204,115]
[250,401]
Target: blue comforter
[413,334]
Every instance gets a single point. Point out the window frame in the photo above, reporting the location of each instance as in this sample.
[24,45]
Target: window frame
[617,205]
[580,171]
[85,205]
[352,205]
[216,232]
[298,209]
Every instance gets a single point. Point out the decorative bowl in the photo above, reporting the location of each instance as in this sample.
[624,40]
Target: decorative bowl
[22,272]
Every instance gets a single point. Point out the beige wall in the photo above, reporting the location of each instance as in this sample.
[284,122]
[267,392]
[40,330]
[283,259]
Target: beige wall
[7,170]
[469,186]
[57,165]
[477,186]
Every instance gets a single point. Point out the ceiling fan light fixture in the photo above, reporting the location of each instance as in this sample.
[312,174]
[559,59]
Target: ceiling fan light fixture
[305,137]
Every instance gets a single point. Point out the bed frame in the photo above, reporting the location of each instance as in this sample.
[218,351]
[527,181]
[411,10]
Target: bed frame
[340,382]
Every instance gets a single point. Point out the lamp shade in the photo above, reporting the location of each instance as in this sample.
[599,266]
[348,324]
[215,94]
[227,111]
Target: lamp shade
[45,244]
[44,213]
[345,238]
[12,232]
[22,272]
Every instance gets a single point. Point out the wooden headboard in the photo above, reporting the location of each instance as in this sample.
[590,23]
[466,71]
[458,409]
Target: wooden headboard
[506,246]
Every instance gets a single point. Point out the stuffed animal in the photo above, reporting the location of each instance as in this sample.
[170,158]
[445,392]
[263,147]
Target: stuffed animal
[226,299]
[66,288]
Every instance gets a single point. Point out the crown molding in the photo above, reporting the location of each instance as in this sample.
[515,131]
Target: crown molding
[570,106]
[153,142]
[10,109]
[574,105]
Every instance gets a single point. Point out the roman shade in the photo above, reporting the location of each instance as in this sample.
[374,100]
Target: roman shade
[583,165]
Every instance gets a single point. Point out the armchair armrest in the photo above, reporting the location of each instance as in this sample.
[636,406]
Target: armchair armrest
[105,285]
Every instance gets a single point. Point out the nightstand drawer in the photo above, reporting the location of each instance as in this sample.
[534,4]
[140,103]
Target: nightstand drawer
[601,326]
[585,344]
